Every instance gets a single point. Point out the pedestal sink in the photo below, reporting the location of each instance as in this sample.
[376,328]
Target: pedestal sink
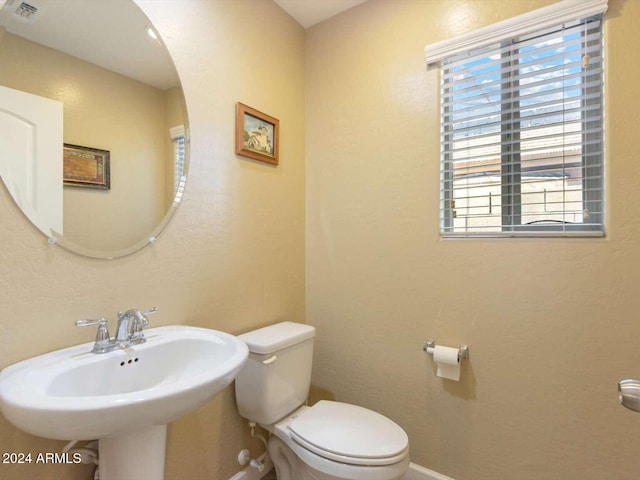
[124,398]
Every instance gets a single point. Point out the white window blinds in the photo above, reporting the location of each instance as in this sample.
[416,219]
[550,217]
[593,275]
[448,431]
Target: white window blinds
[522,135]
[179,161]
[178,139]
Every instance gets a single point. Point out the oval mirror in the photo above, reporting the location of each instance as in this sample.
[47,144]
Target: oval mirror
[93,123]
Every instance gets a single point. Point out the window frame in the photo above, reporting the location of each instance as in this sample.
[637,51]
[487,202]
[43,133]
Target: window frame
[178,135]
[527,24]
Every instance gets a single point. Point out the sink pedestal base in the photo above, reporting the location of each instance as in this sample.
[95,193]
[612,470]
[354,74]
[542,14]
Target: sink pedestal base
[137,455]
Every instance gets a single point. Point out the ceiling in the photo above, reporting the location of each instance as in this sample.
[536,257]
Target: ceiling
[111,33]
[108,33]
[309,12]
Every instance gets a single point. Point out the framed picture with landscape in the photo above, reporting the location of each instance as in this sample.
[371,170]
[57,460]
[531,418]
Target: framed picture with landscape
[257,134]
[86,167]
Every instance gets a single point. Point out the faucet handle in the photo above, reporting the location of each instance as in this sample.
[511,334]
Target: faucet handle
[103,342]
[149,311]
[90,323]
[143,319]
[139,322]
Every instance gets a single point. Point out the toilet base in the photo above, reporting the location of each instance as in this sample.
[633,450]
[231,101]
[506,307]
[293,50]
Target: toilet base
[285,463]
[289,465]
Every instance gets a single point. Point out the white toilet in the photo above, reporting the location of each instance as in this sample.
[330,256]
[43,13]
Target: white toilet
[328,441]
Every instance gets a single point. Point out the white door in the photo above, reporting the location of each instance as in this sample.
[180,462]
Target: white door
[31,156]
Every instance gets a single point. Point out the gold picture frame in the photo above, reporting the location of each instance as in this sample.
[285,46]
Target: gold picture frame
[257,134]
[86,167]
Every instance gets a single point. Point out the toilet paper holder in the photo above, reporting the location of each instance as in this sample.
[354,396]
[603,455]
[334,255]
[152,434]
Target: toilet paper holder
[429,345]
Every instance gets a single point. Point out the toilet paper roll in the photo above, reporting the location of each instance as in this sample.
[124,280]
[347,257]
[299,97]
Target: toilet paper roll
[447,361]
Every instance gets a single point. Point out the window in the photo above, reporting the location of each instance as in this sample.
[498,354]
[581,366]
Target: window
[522,149]
[178,139]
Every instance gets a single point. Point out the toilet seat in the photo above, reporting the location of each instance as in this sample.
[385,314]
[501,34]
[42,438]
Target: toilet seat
[349,434]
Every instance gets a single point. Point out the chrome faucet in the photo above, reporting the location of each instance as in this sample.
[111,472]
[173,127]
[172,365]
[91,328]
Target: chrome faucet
[130,326]
[129,331]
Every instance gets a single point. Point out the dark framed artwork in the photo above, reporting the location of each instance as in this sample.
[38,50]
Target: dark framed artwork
[86,167]
[257,134]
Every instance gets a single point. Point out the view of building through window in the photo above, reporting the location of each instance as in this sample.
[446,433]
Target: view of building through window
[522,132]
[550,183]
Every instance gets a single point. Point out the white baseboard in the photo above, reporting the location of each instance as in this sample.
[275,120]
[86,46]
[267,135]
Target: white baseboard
[416,472]
[250,473]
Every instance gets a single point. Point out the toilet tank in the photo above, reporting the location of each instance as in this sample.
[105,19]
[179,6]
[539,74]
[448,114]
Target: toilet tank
[276,378]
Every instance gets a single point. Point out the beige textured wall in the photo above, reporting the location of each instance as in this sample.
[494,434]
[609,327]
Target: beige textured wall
[552,324]
[232,257]
[108,111]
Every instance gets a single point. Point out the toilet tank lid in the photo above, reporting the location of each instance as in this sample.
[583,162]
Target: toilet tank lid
[277,337]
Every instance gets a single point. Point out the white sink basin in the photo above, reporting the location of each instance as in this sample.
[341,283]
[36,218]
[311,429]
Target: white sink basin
[73,394]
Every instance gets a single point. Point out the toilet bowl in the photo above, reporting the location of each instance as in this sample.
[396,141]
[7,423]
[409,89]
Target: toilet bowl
[329,440]
[334,440]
